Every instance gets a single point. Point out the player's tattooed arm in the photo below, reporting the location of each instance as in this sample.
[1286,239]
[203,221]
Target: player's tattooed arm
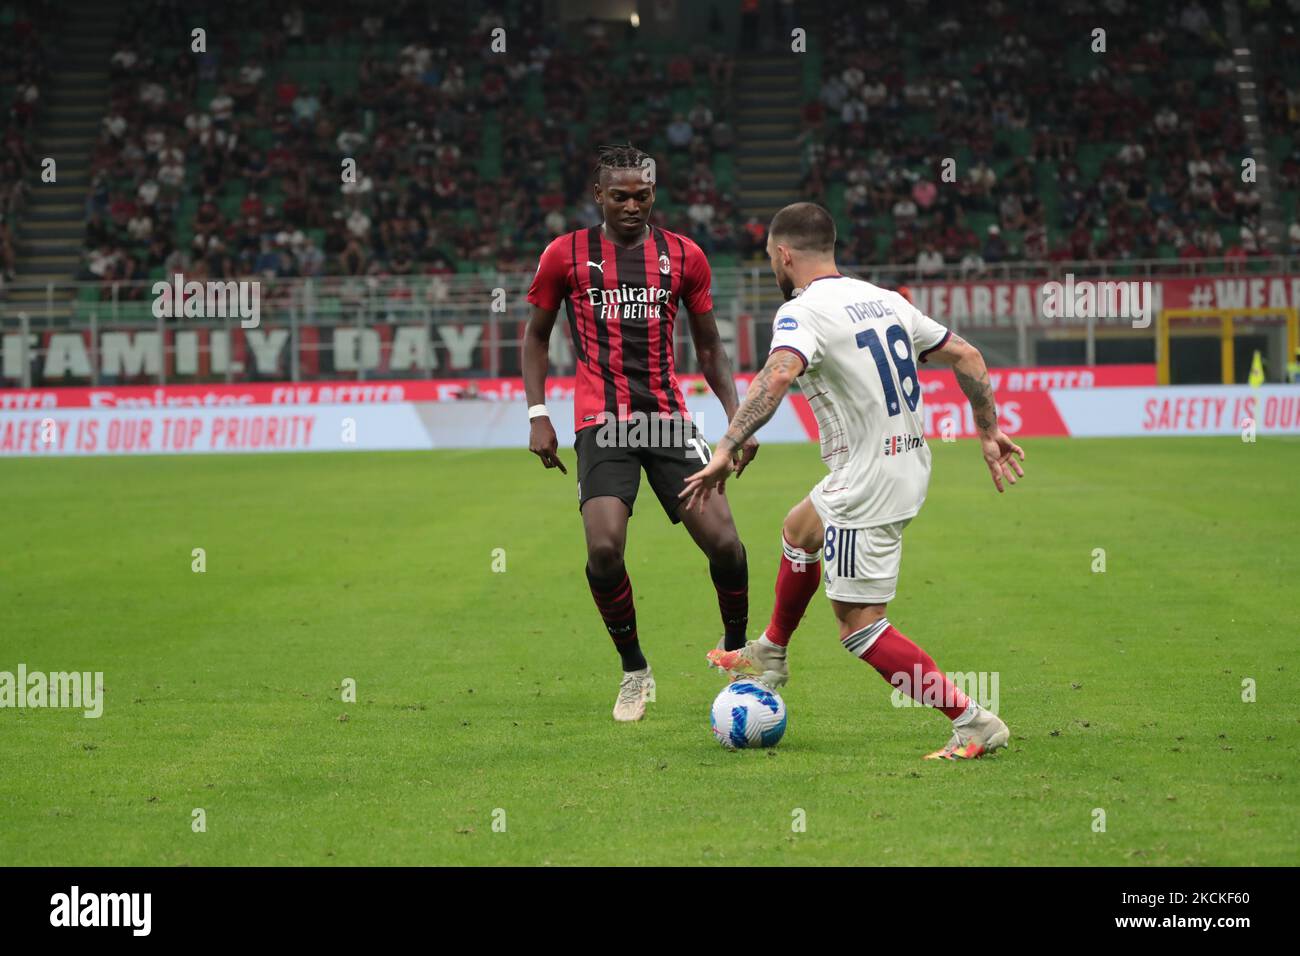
[972,377]
[715,364]
[764,397]
[974,383]
[761,402]
[1001,454]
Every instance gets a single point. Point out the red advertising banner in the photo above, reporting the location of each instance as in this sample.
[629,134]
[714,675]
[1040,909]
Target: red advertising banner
[938,384]
[1003,304]
[1239,411]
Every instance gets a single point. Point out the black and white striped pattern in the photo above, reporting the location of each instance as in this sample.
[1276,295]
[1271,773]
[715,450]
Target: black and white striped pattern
[701,448]
[847,548]
[799,555]
[859,642]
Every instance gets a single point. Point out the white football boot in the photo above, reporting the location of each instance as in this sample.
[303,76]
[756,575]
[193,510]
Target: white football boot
[635,691]
[983,733]
[760,659]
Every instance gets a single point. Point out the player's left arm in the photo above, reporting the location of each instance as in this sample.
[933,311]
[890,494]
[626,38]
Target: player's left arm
[764,397]
[716,366]
[1000,452]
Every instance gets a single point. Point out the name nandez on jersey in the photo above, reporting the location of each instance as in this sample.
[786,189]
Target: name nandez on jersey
[864,311]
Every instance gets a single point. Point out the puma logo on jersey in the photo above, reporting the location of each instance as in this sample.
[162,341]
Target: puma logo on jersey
[601,267]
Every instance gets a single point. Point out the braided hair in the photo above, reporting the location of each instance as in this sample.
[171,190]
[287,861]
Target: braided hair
[624,156]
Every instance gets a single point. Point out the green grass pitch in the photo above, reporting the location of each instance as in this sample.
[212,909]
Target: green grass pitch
[480,691]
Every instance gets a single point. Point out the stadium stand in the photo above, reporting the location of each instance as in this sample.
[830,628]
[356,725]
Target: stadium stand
[25,38]
[1153,171]
[226,162]
[50,126]
[1270,32]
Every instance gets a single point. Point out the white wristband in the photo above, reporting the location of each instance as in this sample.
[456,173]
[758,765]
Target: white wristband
[537,411]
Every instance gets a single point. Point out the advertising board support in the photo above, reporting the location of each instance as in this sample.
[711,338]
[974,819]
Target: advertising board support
[294,344]
[24,336]
[162,350]
[361,332]
[94,346]
[230,363]
[1022,341]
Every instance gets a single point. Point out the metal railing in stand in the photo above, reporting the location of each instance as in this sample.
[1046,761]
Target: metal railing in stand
[449,295]
[337,326]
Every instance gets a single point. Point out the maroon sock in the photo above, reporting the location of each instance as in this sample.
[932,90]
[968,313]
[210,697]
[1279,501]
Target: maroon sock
[907,667]
[613,597]
[797,580]
[732,585]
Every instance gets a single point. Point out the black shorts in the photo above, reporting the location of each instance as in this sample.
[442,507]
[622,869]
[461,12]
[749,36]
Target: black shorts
[610,463]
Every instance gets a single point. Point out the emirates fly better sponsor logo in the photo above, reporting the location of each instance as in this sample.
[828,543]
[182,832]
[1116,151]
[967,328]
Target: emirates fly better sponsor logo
[628,302]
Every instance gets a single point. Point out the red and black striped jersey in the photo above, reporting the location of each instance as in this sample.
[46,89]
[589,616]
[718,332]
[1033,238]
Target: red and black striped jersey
[621,305]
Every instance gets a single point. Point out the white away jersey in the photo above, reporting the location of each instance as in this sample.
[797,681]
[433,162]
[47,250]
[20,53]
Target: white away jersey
[862,344]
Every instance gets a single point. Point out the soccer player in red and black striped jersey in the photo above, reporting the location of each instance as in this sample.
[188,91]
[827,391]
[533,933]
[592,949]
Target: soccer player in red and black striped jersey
[621,283]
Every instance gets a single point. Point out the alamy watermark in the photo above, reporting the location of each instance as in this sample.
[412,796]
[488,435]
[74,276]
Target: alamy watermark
[209,300]
[79,690]
[130,910]
[1107,299]
[635,429]
[931,690]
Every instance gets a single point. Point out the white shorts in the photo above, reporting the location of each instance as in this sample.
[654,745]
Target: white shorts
[861,564]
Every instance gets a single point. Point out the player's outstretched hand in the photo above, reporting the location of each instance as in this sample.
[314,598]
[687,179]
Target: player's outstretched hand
[701,484]
[543,443]
[1000,454]
[747,452]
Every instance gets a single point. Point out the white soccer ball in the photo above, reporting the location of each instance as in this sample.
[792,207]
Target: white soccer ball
[748,714]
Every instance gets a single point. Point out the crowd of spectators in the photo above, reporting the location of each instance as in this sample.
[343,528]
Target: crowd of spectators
[227,163]
[25,29]
[221,164]
[1165,145]
[1271,31]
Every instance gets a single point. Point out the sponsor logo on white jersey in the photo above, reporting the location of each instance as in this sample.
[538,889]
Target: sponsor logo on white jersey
[900,444]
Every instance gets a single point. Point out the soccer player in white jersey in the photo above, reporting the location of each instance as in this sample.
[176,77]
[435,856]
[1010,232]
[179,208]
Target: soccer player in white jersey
[856,348]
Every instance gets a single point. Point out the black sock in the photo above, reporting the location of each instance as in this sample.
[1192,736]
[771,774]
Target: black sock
[732,585]
[613,597]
